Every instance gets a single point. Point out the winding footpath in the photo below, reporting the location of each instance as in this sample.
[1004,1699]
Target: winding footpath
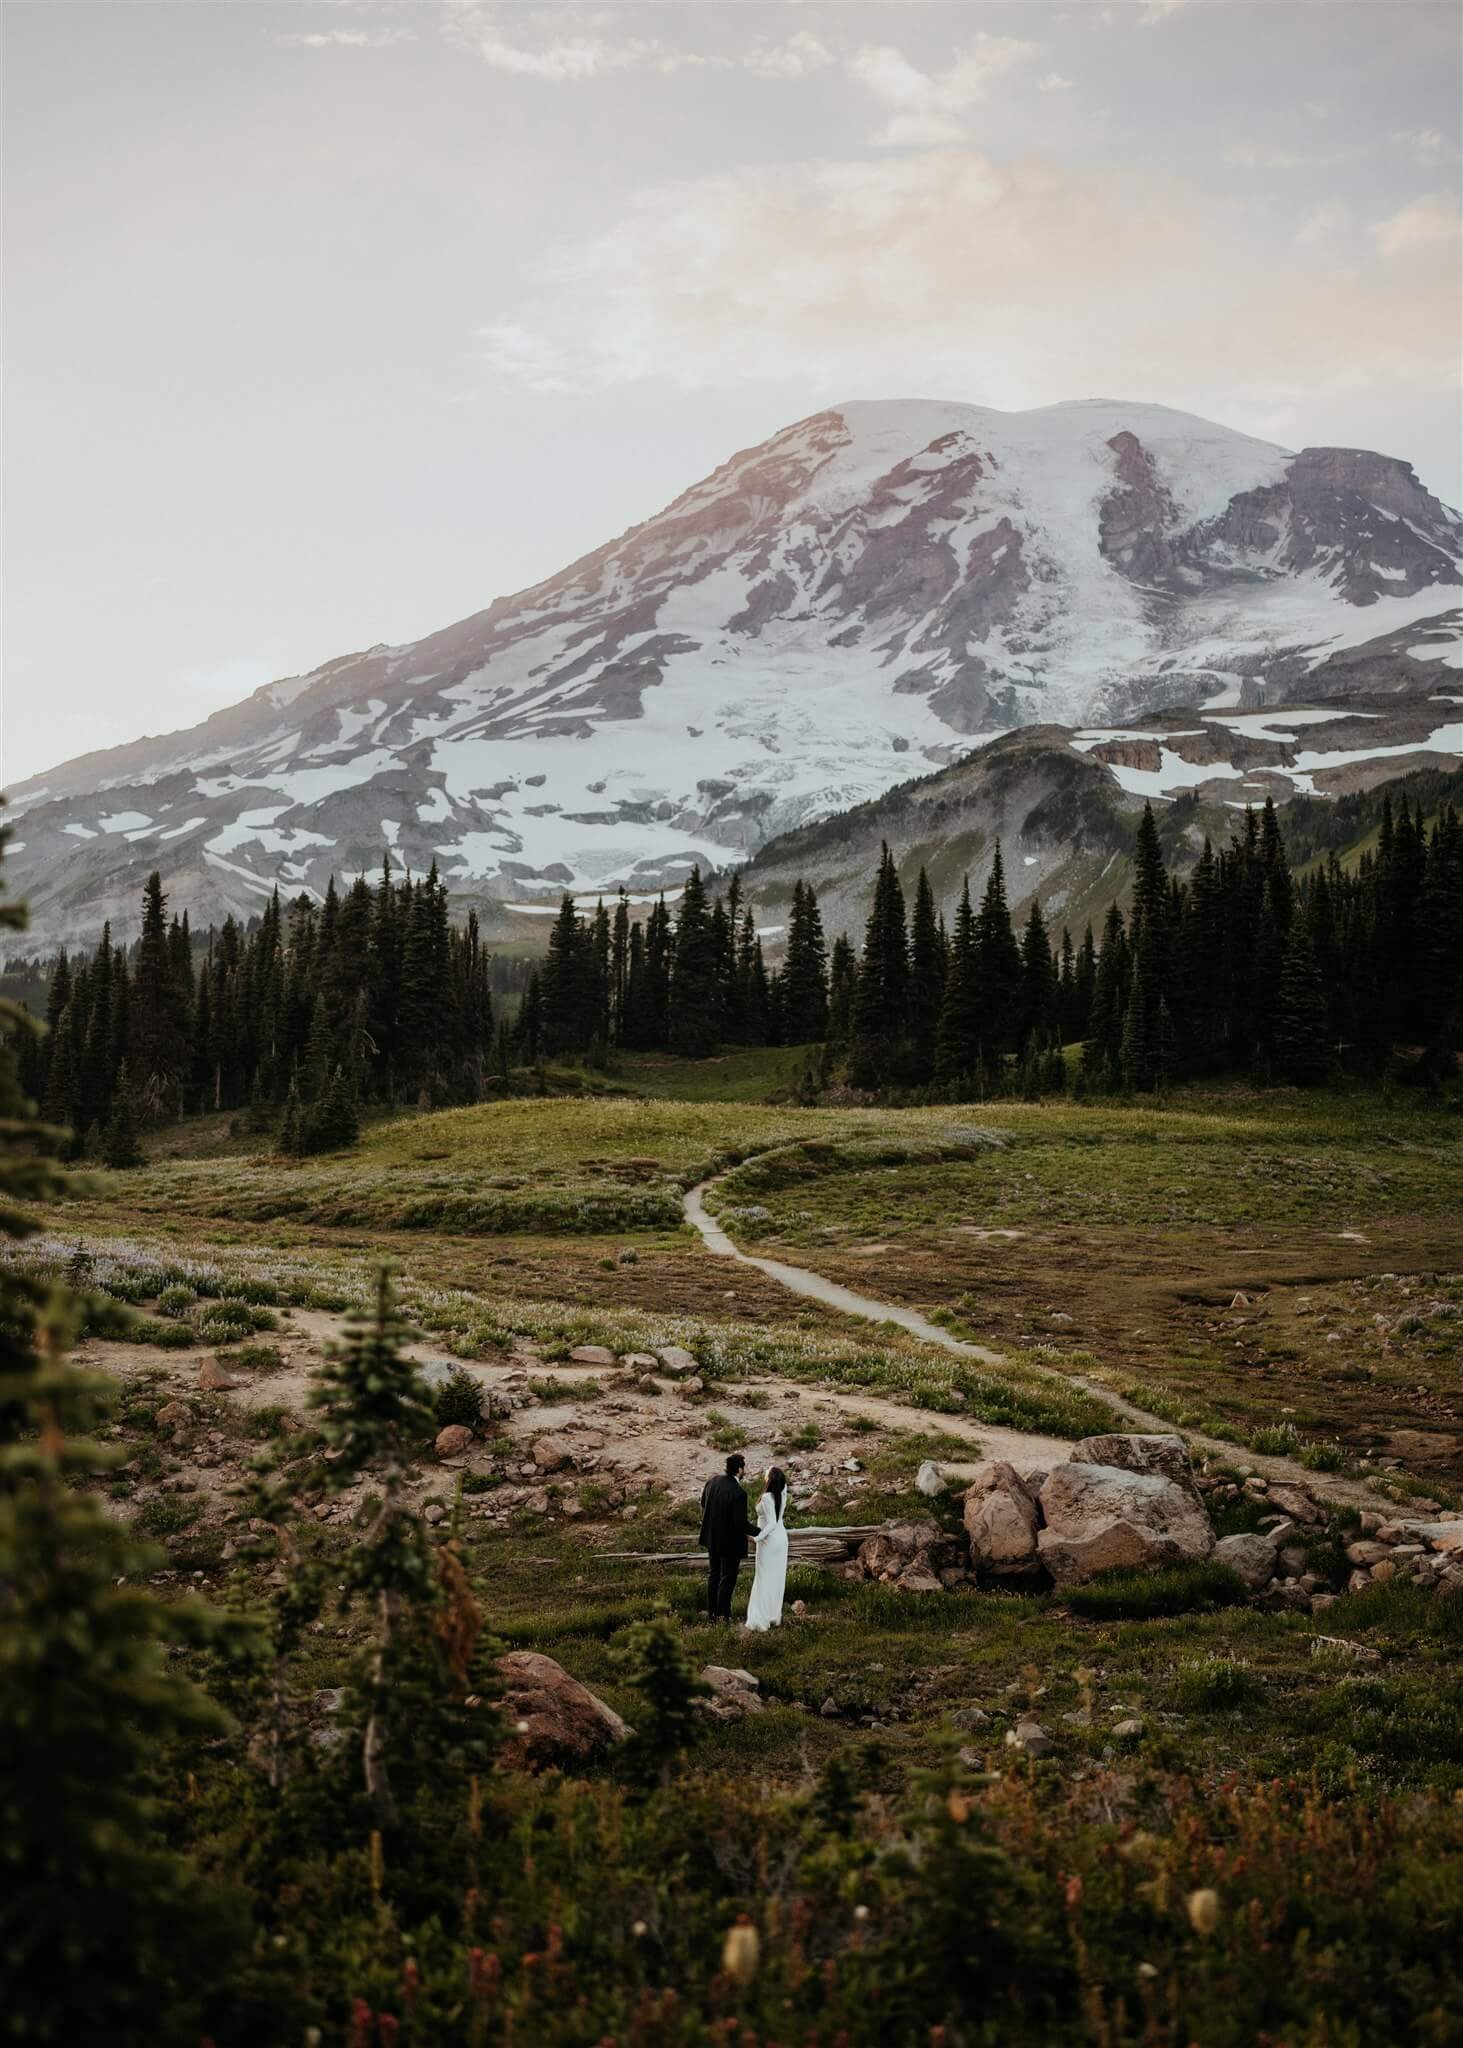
[1013,1445]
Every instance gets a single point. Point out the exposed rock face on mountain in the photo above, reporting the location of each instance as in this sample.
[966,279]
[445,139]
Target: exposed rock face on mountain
[857,599]
[1061,804]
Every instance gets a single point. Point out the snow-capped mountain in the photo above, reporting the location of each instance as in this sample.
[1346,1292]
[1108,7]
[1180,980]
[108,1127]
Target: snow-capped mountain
[853,602]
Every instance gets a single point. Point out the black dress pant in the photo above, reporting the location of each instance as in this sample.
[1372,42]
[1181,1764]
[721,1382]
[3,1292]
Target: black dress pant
[721,1578]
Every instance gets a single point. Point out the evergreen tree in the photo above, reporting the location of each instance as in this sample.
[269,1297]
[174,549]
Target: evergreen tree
[926,981]
[120,1148]
[694,1016]
[374,1412]
[1301,1053]
[958,1038]
[997,966]
[107,1934]
[881,996]
[804,971]
[842,982]
[1040,991]
[158,1050]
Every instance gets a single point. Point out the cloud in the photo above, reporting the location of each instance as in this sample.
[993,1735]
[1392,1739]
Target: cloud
[1265,156]
[1013,284]
[563,58]
[1054,82]
[347,38]
[1323,224]
[1427,224]
[927,106]
[798,57]
[1425,144]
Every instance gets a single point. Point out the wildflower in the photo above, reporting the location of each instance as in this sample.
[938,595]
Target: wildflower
[741,1951]
[860,1912]
[640,1930]
[1203,1911]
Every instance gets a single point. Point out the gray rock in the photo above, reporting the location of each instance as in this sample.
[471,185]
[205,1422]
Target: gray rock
[1166,1456]
[929,1480]
[1030,1738]
[1251,1557]
[1127,1731]
[1099,1517]
[591,1354]
[734,1693]
[675,1358]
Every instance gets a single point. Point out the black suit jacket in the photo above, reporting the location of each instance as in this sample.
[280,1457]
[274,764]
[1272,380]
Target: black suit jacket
[724,1524]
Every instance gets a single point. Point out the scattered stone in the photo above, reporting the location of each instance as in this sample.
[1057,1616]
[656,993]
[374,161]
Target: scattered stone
[552,1719]
[1001,1520]
[929,1480]
[1030,1738]
[1295,1502]
[172,1415]
[694,1385]
[453,1440]
[553,1454]
[1251,1557]
[212,1378]
[734,1693]
[1128,1731]
[591,1354]
[1103,1516]
[799,1608]
[1365,1552]
[971,1718]
[434,1512]
[829,1709]
[674,1358]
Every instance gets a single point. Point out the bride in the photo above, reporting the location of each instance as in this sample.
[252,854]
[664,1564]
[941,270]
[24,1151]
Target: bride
[764,1608]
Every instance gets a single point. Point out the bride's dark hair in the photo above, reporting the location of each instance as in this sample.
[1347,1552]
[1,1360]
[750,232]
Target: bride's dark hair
[777,1487]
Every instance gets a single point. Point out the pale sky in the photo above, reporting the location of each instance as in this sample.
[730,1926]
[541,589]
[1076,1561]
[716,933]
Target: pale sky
[326,322]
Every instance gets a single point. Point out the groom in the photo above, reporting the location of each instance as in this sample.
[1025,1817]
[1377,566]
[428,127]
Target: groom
[724,1532]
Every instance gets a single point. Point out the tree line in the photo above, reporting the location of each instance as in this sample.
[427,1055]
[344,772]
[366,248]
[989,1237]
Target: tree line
[1241,967]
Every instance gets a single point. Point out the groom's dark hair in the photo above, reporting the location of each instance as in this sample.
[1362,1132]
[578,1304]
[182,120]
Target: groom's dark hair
[735,1463]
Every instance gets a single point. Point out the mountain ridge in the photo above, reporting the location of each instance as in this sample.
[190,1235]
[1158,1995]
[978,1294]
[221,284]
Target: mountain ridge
[871,589]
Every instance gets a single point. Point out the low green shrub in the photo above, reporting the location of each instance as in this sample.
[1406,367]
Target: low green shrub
[176,1300]
[154,1330]
[551,1390]
[1129,1595]
[1206,1684]
[167,1514]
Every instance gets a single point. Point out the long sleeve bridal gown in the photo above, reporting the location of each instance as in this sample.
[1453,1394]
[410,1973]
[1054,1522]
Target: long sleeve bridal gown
[764,1609]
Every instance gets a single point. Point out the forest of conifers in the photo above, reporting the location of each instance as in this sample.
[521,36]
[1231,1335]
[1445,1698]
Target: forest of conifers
[373,996]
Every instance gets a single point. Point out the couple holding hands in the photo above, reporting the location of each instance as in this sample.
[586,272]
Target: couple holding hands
[725,1531]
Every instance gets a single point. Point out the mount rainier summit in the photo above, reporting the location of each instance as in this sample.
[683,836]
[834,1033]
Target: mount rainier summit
[859,600]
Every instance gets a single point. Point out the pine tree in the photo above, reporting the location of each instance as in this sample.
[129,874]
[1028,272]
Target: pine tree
[652,1659]
[881,996]
[374,1412]
[158,1050]
[958,1038]
[926,981]
[120,1148]
[998,967]
[1040,991]
[106,1934]
[804,971]
[842,982]
[694,1016]
[1301,1053]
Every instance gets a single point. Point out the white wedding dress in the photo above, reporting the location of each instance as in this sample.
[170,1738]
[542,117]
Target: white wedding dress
[769,1581]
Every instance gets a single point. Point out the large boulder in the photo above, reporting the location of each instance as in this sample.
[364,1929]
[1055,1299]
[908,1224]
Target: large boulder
[1167,1456]
[1250,1556]
[1001,1520]
[1100,1517]
[553,1720]
[553,1454]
